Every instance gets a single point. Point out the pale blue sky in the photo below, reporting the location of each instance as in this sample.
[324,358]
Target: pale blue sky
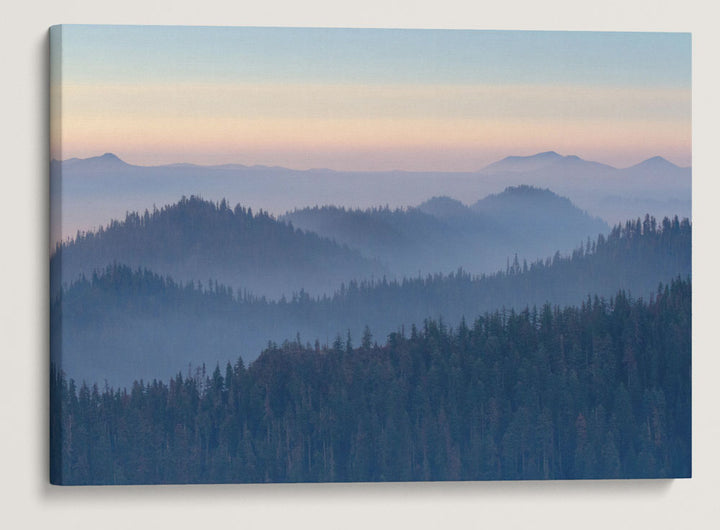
[131,54]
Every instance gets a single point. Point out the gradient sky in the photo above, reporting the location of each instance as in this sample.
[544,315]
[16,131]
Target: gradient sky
[368,99]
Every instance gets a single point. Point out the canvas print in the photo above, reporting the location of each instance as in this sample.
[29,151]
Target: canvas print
[359,255]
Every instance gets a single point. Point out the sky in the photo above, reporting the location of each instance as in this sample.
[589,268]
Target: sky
[367,99]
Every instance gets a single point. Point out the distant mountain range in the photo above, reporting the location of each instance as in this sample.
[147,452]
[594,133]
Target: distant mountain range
[549,160]
[519,164]
[99,188]
[561,173]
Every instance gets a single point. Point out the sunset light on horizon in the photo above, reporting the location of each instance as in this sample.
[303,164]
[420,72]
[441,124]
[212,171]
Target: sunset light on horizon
[419,100]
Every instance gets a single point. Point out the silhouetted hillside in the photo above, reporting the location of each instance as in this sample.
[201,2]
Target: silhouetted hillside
[406,241]
[538,220]
[200,240]
[442,234]
[446,208]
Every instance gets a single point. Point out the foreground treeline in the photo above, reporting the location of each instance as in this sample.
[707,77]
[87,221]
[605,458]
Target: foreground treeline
[600,390]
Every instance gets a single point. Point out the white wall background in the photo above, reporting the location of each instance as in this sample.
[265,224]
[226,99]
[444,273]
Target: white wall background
[26,499]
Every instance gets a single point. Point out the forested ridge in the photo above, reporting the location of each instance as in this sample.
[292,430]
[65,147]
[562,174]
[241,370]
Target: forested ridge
[123,323]
[443,234]
[196,239]
[596,390]
[316,249]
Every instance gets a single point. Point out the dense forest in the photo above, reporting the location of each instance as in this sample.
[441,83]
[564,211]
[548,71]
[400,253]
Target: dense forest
[596,390]
[121,324]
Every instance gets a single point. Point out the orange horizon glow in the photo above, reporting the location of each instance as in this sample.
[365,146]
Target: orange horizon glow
[371,127]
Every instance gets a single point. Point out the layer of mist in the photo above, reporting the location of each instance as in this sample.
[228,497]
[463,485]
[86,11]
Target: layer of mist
[97,189]
[123,324]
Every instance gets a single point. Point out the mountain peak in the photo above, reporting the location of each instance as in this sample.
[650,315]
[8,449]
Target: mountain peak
[546,154]
[444,207]
[525,163]
[441,200]
[107,161]
[527,196]
[655,162]
[107,157]
[526,191]
[548,163]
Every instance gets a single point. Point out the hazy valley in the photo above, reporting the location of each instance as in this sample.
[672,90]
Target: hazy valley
[97,189]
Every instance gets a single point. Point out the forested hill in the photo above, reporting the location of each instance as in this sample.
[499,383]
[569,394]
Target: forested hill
[201,240]
[537,220]
[123,324]
[442,234]
[597,391]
